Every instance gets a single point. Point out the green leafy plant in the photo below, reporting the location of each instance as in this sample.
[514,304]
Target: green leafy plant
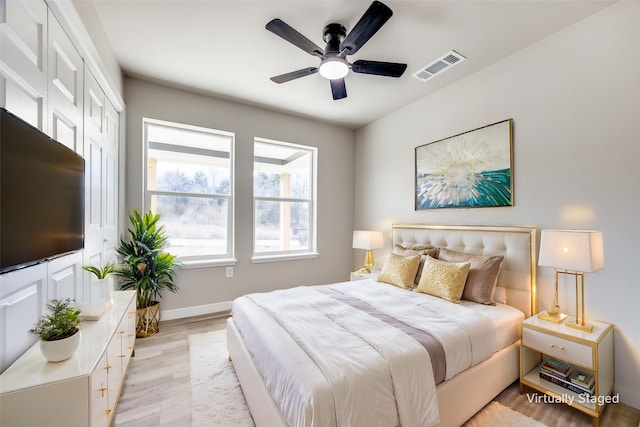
[146,268]
[100,273]
[61,322]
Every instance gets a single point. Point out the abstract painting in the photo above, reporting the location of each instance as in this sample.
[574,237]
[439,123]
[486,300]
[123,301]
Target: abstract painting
[469,170]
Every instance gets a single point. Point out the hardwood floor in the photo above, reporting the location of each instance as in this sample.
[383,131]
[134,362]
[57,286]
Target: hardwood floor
[157,390]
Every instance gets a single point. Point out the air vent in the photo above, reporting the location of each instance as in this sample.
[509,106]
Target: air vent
[441,64]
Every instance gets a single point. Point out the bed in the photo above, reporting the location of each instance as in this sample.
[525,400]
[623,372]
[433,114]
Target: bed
[272,354]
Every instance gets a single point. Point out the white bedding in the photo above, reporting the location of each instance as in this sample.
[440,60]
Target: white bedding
[371,385]
[506,321]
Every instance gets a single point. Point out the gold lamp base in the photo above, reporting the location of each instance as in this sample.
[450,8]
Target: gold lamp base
[553,314]
[368,261]
[573,323]
[555,318]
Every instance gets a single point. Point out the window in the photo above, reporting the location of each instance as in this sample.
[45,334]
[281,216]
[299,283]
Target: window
[189,182]
[284,199]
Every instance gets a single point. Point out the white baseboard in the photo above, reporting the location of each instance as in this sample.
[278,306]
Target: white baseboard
[198,310]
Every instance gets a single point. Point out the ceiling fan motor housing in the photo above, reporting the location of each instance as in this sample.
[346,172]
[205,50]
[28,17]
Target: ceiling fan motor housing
[333,34]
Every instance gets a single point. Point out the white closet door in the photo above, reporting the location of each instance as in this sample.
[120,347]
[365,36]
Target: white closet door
[65,94]
[23,59]
[94,157]
[111,183]
[101,147]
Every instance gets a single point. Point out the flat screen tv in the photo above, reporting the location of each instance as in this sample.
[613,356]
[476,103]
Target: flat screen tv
[41,196]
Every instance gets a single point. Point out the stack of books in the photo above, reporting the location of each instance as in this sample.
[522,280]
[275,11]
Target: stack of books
[565,375]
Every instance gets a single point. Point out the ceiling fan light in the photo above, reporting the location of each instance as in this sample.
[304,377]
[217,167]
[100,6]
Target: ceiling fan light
[333,68]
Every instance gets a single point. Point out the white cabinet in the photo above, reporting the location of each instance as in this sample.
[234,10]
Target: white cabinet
[591,352]
[91,380]
[358,275]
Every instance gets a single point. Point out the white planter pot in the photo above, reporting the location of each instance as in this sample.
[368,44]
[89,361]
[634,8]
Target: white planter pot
[98,298]
[59,350]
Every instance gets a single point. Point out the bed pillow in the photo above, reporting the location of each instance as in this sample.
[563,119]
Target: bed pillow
[399,270]
[483,274]
[421,250]
[443,279]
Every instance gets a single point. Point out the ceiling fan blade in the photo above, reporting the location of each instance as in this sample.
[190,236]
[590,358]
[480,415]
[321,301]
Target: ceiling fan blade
[388,69]
[282,78]
[338,89]
[282,29]
[372,20]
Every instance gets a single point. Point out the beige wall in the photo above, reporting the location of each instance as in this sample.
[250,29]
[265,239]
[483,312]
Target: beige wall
[336,151]
[574,100]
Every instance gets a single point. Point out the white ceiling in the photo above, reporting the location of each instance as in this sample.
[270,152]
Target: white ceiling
[222,47]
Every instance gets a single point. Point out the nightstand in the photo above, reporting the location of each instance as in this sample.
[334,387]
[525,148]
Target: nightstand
[362,276]
[588,352]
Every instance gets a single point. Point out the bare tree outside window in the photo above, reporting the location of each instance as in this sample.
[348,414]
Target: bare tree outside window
[189,182]
[284,197]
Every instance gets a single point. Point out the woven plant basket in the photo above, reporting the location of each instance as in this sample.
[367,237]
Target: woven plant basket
[148,320]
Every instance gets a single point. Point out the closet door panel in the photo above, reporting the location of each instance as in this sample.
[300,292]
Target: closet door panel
[23,59]
[94,147]
[65,89]
[110,189]
[21,301]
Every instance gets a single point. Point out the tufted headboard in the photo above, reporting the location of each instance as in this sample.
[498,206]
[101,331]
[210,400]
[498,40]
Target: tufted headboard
[518,245]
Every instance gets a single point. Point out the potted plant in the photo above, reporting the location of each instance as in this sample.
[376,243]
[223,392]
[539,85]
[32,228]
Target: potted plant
[99,297]
[58,330]
[146,268]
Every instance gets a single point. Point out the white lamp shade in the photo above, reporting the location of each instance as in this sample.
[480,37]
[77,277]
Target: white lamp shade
[572,250]
[367,239]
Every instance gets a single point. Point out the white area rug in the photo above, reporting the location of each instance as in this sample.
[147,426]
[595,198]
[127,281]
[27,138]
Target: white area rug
[498,415]
[216,396]
[217,399]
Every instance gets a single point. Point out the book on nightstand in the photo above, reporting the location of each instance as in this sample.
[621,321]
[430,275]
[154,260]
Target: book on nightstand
[566,384]
[582,379]
[557,368]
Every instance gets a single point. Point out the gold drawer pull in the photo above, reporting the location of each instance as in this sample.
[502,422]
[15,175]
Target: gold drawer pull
[557,346]
[107,411]
[101,390]
[107,367]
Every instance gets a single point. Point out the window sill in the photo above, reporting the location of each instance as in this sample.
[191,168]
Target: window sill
[205,263]
[283,257]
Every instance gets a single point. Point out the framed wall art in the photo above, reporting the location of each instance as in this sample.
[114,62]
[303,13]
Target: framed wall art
[470,170]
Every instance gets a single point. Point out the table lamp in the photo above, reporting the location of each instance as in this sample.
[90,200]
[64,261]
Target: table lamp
[573,252]
[368,240]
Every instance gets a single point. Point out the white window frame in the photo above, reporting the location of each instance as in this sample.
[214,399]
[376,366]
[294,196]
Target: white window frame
[211,260]
[311,251]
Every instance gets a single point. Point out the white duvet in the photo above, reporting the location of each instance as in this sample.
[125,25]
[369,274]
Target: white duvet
[329,364]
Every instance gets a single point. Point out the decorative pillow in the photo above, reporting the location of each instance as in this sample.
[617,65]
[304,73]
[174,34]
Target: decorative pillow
[443,279]
[399,270]
[421,250]
[483,274]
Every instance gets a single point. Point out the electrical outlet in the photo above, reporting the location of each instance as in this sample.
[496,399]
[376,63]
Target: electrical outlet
[229,272]
[546,305]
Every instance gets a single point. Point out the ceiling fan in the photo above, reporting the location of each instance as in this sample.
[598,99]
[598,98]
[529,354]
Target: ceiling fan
[333,59]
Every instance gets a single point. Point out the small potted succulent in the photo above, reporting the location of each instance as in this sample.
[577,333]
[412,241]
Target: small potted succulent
[58,330]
